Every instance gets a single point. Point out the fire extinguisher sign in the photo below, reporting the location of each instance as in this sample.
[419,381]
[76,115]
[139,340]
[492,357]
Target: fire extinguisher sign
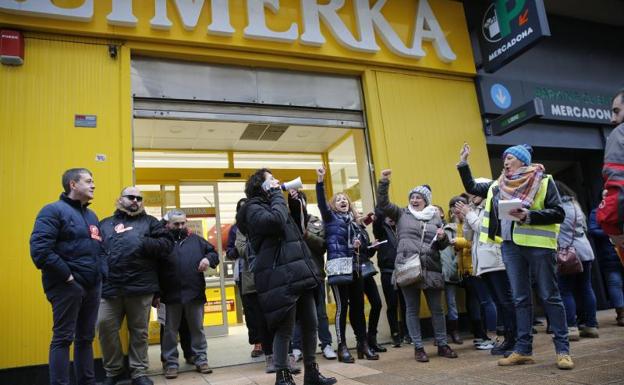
[89,121]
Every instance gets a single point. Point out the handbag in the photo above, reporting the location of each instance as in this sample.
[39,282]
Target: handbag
[411,272]
[248,285]
[340,271]
[567,260]
[368,269]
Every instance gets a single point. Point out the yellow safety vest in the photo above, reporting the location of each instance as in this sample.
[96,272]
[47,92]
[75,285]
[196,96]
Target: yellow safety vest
[544,236]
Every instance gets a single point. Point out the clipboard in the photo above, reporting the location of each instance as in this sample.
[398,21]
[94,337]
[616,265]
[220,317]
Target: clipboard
[506,206]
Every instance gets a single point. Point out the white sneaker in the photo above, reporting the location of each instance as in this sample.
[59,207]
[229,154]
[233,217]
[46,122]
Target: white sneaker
[485,345]
[329,353]
[298,354]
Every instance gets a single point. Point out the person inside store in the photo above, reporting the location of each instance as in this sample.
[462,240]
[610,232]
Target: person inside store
[523,210]
[65,245]
[134,245]
[285,275]
[418,266]
[344,245]
[313,232]
[183,291]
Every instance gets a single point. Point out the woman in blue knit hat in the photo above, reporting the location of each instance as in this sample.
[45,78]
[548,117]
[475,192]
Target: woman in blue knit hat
[528,237]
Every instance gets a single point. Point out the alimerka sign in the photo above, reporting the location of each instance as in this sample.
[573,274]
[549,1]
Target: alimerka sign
[358,27]
[510,27]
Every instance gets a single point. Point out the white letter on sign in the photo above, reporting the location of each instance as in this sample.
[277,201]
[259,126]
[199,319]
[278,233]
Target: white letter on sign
[189,11]
[122,14]
[220,18]
[434,34]
[257,28]
[368,19]
[45,8]
[312,12]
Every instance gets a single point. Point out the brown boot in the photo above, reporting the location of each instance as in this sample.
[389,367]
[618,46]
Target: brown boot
[446,352]
[620,316]
[421,355]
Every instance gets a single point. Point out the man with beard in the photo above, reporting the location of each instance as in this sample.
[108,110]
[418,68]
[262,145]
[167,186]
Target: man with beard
[134,243]
[183,290]
[609,212]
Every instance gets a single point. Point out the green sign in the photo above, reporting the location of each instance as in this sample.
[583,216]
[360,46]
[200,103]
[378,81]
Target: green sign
[516,118]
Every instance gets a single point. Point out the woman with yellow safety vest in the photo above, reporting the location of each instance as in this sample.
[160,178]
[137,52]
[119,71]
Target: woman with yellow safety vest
[528,237]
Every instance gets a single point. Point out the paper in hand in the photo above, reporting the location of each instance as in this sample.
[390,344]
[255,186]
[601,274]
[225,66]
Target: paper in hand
[507,206]
[377,244]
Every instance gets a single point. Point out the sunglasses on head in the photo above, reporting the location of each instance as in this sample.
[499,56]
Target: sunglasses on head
[138,198]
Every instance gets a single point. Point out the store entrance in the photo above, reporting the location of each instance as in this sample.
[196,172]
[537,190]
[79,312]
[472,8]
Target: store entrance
[196,155]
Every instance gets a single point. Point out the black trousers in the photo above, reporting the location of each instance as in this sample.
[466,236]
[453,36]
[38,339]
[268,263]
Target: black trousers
[372,293]
[350,298]
[395,303]
[253,315]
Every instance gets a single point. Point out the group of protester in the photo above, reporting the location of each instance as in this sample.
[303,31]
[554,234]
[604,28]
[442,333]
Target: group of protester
[100,272]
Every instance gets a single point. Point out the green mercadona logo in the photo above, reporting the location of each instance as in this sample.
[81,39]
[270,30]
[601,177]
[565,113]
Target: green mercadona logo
[499,18]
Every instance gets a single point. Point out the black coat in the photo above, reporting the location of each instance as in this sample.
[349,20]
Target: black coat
[133,247]
[180,282]
[283,269]
[66,240]
[386,252]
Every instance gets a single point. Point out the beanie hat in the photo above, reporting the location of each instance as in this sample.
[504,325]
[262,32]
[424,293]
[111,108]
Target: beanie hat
[424,191]
[521,151]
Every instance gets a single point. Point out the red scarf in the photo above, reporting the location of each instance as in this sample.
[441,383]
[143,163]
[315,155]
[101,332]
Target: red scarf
[523,184]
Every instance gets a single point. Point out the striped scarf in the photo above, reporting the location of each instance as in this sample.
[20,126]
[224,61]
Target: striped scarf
[523,184]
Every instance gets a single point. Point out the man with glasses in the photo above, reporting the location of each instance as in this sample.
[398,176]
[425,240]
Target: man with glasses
[183,291]
[134,244]
[66,244]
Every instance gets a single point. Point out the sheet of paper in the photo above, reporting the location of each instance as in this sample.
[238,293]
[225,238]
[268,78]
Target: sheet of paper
[378,243]
[505,206]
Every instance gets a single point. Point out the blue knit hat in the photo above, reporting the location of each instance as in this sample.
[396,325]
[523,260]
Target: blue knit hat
[521,151]
[424,191]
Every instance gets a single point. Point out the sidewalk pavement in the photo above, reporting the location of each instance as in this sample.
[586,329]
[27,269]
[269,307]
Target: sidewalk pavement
[598,361]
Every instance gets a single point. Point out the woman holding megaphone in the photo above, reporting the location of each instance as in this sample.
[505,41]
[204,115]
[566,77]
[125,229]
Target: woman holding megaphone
[344,240]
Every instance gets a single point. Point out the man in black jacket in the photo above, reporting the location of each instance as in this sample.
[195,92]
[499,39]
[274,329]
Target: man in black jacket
[284,274]
[134,243]
[183,290]
[65,245]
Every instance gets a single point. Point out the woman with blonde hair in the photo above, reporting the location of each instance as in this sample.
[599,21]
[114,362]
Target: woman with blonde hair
[345,240]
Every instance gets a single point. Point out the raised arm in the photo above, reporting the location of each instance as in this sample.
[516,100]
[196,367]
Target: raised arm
[383,201]
[472,187]
[320,196]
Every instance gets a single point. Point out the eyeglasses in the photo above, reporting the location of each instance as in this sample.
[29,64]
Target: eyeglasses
[138,198]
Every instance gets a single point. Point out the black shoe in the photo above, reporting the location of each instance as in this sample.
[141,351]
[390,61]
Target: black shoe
[452,328]
[343,354]
[375,347]
[143,380]
[396,341]
[312,376]
[283,377]
[363,350]
[506,346]
[113,380]
[407,339]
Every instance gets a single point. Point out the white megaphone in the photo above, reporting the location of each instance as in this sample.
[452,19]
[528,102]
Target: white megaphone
[294,184]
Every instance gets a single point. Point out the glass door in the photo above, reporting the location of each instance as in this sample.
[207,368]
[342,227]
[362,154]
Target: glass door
[200,202]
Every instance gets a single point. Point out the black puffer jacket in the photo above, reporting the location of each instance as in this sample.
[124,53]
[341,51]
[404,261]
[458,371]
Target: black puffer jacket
[180,281]
[66,240]
[283,267]
[386,252]
[133,247]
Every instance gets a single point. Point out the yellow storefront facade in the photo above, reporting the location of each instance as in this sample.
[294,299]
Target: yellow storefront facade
[413,59]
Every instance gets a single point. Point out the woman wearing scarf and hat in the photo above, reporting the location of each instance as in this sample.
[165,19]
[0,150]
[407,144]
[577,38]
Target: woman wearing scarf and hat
[419,231]
[528,244]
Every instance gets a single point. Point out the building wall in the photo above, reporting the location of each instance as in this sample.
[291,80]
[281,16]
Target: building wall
[60,78]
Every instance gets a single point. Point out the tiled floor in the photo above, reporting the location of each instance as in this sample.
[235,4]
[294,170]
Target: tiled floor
[598,361]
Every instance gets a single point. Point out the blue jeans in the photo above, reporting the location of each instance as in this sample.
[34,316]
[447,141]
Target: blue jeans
[450,293]
[568,285]
[434,301]
[324,334]
[522,262]
[613,278]
[499,286]
[74,310]
[480,299]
